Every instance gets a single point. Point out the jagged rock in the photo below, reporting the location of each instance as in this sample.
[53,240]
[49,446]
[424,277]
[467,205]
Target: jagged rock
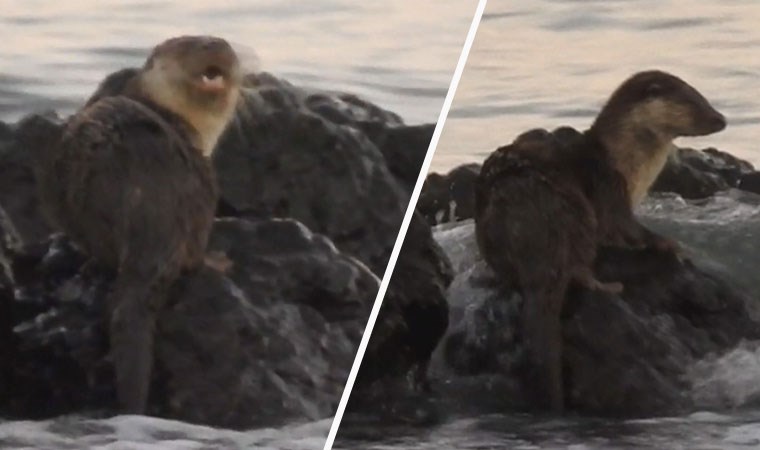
[282,159]
[750,182]
[404,149]
[269,342]
[18,188]
[414,314]
[341,165]
[449,197]
[623,355]
[696,174]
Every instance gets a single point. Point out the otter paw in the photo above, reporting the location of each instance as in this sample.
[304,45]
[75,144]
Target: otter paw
[666,245]
[614,287]
[218,261]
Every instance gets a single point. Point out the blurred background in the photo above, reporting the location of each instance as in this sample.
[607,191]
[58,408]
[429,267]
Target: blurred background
[396,53]
[547,63]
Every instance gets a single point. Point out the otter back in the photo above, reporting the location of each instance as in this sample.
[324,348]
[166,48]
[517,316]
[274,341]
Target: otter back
[124,175]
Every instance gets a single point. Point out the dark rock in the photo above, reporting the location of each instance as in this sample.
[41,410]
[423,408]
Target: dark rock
[414,314]
[18,189]
[623,355]
[696,174]
[278,334]
[450,197]
[341,165]
[281,159]
[404,149]
[628,355]
[6,311]
[750,182]
[341,108]
[271,341]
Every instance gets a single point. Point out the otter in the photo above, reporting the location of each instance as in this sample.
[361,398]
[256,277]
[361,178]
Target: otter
[130,182]
[628,145]
[546,203]
[536,228]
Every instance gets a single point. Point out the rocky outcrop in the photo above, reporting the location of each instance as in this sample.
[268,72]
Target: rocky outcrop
[292,153]
[320,158]
[18,191]
[449,197]
[414,314]
[623,354]
[271,340]
[314,188]
[694,174]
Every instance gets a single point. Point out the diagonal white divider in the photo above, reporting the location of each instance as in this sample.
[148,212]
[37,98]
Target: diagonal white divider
[405,224]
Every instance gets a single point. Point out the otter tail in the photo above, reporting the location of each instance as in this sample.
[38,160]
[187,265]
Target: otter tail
[542,332]
[132,307]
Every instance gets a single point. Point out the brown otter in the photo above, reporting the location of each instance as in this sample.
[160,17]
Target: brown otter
[627,146]
[536,228]
[545,203]
[129,181]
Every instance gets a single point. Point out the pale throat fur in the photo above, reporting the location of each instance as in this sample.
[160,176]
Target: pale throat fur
[208,119]
[638,150]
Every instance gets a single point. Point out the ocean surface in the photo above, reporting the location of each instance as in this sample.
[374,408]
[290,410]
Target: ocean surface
[546,63]
[396,53]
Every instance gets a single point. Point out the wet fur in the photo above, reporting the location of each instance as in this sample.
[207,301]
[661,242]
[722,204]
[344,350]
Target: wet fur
[548,201]
[538,231]
[128,182]
[147,213]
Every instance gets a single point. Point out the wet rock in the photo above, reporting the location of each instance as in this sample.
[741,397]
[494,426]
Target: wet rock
[750,182]
[403,147]
[282,159]
[699,174]
[269,342]
[18,191]
[449,197]
[414,314]
[320,157]
[275,339]
[623,355]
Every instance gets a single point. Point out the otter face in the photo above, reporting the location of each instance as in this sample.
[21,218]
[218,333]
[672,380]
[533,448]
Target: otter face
[664,105]
[198,78]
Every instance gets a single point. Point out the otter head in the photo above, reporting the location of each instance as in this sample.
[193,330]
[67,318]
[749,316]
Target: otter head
[643,117]
[197,78]
[662,105]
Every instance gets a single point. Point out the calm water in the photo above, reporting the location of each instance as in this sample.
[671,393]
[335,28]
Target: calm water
[552,62]
[397,53]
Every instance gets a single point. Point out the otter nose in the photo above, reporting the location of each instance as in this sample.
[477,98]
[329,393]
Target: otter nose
[717,121]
